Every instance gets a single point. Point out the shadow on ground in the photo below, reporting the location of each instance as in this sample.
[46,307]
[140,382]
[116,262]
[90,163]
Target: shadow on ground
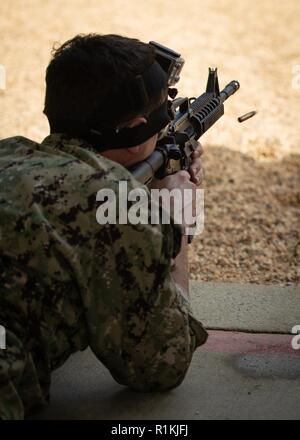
[252,219]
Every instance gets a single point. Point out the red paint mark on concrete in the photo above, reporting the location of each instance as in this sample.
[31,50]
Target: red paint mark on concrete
[238,342]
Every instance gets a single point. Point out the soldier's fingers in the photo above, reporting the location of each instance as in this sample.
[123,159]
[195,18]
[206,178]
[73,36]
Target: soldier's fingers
[183,175]
[198,177]
[196,166]
[198,152]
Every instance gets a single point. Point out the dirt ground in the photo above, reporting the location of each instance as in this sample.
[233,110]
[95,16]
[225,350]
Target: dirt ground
[252,202]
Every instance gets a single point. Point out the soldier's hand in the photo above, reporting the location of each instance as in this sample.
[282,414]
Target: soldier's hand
[196,169]
[179,180]
[182,181]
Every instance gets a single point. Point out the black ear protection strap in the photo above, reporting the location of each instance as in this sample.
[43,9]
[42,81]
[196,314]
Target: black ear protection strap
[109,139]
[132,98]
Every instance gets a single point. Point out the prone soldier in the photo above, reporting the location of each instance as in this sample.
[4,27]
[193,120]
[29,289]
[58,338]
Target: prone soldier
[67,282]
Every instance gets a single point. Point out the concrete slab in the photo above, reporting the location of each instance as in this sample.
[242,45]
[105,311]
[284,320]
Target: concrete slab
[246,307]
[233,376]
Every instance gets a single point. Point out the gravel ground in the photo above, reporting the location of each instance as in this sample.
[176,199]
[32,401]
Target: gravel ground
[252,201]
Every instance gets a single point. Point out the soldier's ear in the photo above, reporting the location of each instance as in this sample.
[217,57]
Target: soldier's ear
[133,150]
[138,120]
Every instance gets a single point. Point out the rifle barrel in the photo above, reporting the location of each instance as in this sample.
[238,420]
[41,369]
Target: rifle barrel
[229,90]
[145,170]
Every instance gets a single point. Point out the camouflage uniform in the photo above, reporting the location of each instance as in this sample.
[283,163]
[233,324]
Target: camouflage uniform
[67,282]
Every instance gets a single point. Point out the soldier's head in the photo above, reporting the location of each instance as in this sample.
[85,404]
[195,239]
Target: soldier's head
[98,84]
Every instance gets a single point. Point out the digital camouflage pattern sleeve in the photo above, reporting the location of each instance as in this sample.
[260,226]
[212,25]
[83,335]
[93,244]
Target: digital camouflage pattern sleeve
[67,282]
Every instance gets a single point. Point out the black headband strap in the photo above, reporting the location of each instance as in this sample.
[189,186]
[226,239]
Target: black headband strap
[130,137]
[109,138]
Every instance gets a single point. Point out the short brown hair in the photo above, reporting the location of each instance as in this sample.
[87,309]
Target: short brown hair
[87,70]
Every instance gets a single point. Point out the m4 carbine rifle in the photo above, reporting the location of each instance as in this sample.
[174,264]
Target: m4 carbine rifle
[192,118]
